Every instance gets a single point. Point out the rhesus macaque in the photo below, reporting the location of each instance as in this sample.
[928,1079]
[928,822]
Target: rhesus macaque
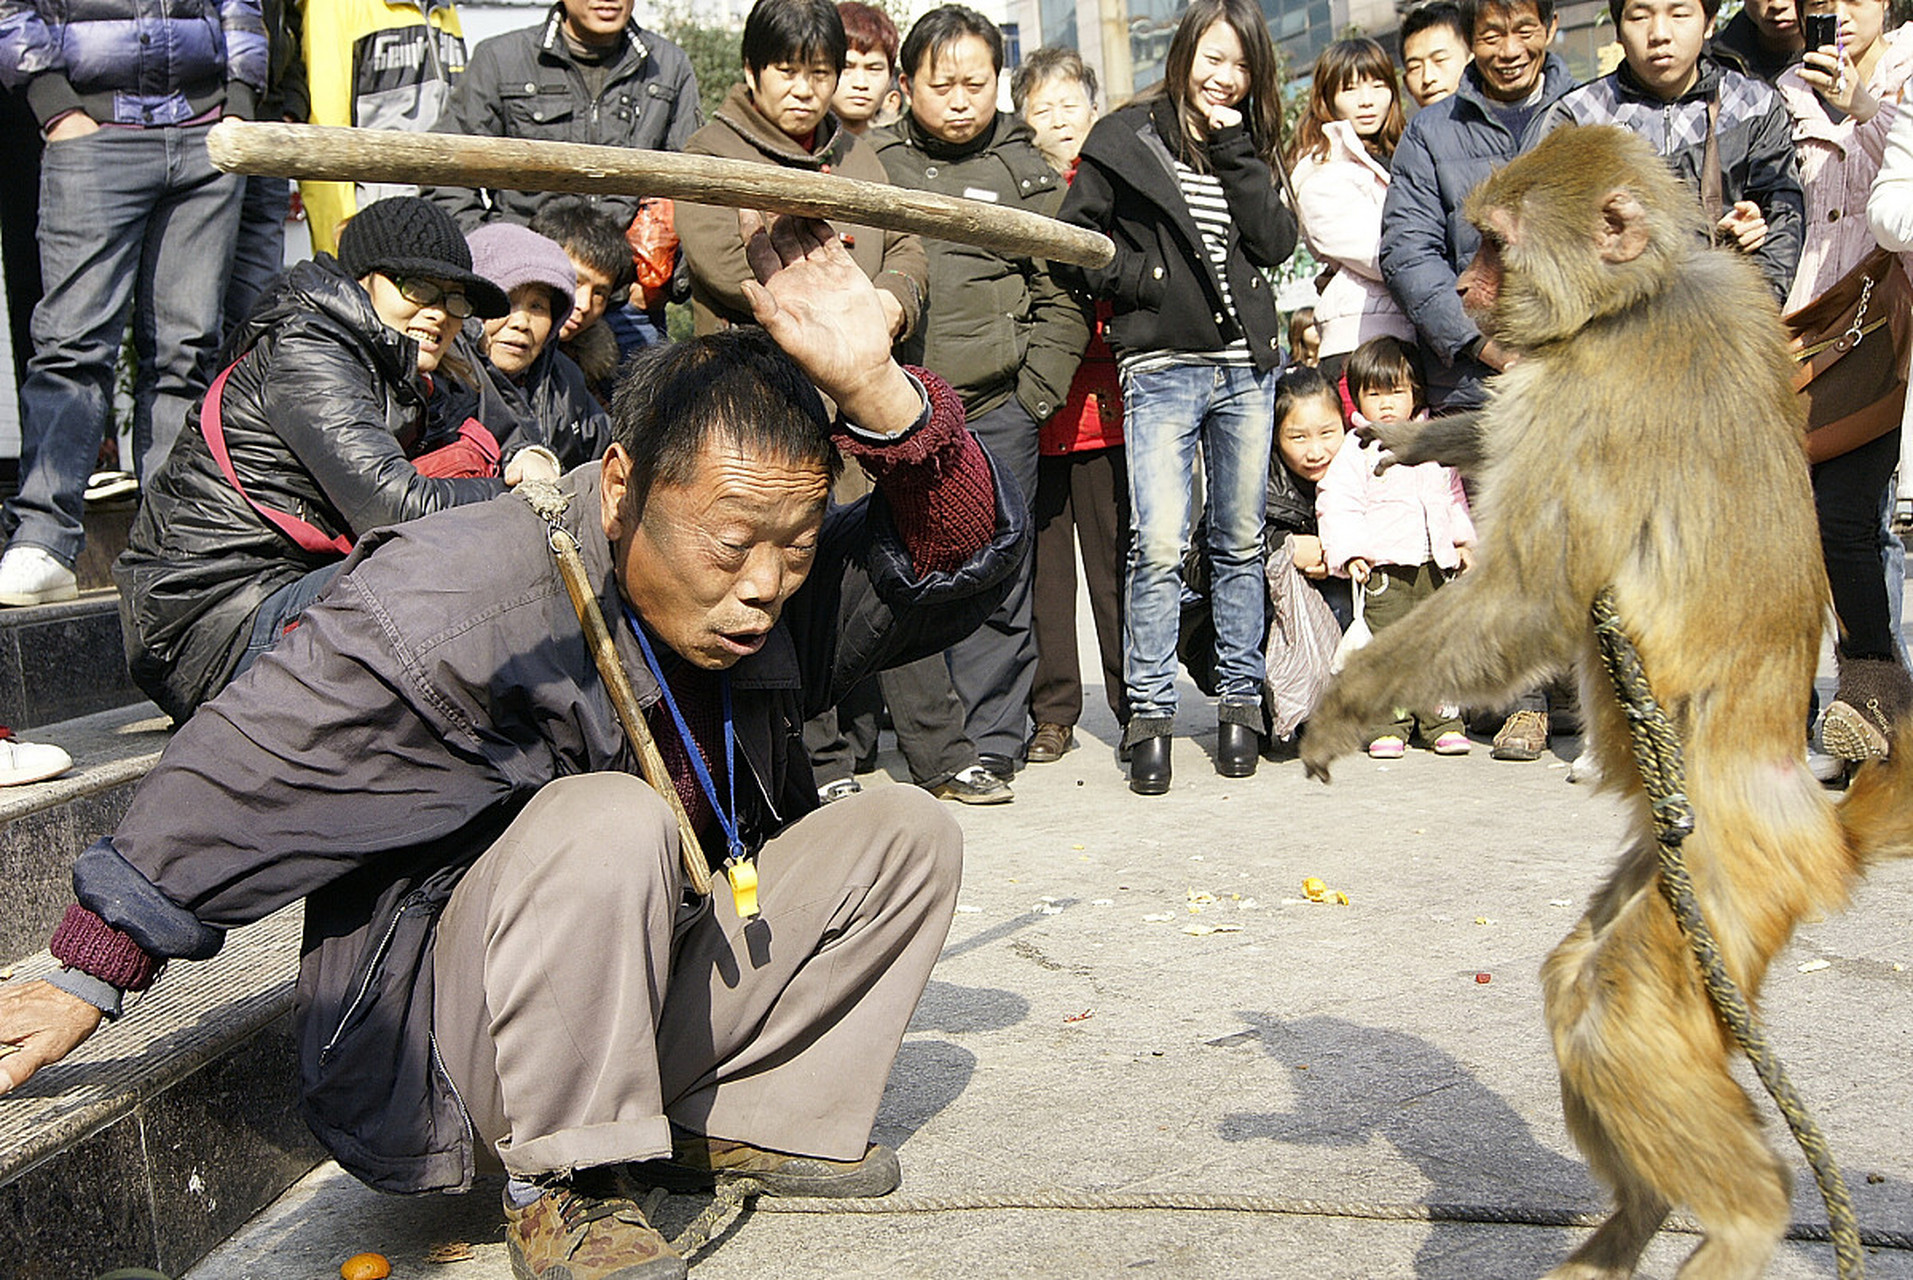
[1647,418]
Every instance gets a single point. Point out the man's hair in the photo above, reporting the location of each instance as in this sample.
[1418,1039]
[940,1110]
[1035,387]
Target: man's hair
[1382,364]
[675,398]
[1051,62]
[1471,12]
[1710,9]
[1436,13]
[937,30]
[591,236]
[793,31]
[869,29]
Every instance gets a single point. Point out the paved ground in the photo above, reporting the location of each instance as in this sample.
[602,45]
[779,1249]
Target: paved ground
[1136,1014]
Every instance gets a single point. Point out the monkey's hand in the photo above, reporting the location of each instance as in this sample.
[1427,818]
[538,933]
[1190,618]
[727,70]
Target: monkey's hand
[1454,440]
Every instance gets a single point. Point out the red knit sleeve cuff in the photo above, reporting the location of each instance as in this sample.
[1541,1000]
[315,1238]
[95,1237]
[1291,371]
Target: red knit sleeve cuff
[87,943]
[936,480]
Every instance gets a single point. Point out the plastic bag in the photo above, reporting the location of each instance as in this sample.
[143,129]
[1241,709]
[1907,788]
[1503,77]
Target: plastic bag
[1303,640]
[1357,634]
[653,237]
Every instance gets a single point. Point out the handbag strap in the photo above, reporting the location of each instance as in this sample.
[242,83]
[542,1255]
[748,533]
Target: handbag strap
[1713,183]
[303,534]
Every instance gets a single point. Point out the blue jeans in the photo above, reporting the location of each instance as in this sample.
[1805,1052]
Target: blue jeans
[279,612]
[1227,410]
[133,223]
[259,254]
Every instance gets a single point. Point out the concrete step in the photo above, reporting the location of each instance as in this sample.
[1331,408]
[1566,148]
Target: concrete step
[58,661]
[45,825]
[169,1129]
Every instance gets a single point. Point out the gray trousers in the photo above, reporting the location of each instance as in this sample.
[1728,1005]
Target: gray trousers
[581,1007]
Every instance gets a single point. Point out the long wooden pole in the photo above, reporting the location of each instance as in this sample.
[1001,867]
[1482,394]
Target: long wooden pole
[335,154]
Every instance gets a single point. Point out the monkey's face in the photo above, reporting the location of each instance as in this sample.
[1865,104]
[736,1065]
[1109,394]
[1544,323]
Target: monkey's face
[1480,285]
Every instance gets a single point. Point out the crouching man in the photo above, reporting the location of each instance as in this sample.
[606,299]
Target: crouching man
[503,962]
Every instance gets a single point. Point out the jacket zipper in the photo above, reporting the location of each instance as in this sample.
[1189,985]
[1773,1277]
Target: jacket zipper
[371,972]
[464,1114]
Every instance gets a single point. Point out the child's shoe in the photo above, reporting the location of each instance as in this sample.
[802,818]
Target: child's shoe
[1386,747]
[1452,743]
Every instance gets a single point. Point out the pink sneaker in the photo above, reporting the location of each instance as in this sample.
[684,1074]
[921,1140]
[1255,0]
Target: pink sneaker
[1386,747]
[1452,743]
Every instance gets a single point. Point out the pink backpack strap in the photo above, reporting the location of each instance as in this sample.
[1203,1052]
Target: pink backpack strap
[304,535]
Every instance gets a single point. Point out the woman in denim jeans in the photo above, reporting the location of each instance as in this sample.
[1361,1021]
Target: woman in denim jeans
[1197,338]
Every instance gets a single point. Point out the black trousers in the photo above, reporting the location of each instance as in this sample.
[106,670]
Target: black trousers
[1080,498]
[1847,491]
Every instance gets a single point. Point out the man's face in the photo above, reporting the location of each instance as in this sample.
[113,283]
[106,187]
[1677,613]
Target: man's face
[588,305]
[793,95]
[597,22]
[1510,47]
[952,92]
[1059,112]
[1777,22]
[860,89]
[1661,40]
[1432,62]
[711,562]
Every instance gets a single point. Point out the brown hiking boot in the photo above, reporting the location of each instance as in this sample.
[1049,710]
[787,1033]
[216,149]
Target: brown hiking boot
[1523,736]
[1874,694]
[697,1161]
[1049,742]
[570,1234]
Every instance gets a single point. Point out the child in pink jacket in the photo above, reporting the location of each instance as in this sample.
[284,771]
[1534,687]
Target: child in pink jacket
[1402,534]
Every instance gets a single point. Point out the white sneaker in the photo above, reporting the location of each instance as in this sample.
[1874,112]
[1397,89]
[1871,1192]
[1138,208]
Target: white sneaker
[24,762]
[30,575]
[109,486]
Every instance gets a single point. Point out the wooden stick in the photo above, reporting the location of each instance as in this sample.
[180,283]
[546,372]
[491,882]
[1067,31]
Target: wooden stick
[335,154]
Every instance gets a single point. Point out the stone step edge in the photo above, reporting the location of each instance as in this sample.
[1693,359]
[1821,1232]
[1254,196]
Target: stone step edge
[109,748]
[189,1019]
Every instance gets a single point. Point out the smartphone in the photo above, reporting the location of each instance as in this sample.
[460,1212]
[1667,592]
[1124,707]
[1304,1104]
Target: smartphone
[1823,30]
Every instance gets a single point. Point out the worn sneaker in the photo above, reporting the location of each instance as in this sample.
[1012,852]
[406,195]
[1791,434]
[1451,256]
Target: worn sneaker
[1049,742]
[697,1162]
[1386,747]
[30,575]
[1523,736]
[570,1234]
[838,790]
[24,762]
[1452,743]
[974,785]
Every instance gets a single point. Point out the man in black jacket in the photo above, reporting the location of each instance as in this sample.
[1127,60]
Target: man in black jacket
[504,964]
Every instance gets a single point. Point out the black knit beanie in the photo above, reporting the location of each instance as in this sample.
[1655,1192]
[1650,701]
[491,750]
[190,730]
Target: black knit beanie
[409,236]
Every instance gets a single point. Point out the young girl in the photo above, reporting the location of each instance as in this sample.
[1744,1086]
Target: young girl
[1308,434]
[1182,181]
[1402,533]
[1340,162]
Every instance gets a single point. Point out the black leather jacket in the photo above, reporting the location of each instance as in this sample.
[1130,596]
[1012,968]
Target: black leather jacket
[320,414]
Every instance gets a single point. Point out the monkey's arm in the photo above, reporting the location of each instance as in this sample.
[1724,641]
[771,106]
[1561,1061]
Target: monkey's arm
[1454,441]
[1415,263]
[1773,183]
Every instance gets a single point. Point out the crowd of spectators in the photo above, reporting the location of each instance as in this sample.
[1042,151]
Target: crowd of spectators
[1140,412]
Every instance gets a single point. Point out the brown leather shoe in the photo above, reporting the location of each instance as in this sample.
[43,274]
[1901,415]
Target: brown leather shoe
[570,1234]
[697,1161]
[1049,742]
[1523,736]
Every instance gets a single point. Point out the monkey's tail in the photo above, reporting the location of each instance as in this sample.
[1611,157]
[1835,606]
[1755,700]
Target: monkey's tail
[1877,812]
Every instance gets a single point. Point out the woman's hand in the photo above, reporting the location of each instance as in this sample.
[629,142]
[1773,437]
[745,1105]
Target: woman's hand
[1221,117]
[1833,77]
[1306,550]
[533,463]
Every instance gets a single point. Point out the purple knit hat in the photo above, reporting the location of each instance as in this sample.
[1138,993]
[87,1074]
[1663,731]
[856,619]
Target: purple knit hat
[509,255]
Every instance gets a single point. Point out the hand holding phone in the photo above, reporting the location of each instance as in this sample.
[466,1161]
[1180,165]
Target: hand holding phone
[1822,30]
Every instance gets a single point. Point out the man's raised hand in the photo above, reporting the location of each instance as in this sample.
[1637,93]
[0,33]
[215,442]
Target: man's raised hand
[816,302]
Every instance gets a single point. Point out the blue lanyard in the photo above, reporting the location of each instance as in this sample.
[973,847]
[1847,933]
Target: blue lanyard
[726,818]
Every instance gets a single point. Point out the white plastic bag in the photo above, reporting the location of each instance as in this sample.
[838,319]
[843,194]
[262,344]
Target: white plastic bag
[1303,637]
[1357,634]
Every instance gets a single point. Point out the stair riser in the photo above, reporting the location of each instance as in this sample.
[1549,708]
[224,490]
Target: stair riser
[36,864]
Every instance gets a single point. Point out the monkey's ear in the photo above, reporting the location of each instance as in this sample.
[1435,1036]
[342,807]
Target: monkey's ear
[1623,235]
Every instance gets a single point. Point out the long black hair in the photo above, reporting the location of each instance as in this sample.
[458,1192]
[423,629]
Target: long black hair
[1261,107]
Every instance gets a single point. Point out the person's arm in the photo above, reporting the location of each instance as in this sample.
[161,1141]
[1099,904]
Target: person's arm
[1091,202]
[1414,254]
[244,26]
[323,408]
[473,107]
[1339,501]
[31,58]
[1265,225]
[1341,225]
[1773,183]
[1890,204]
[1059,330]
[712,246]
[905,275]
[687,112]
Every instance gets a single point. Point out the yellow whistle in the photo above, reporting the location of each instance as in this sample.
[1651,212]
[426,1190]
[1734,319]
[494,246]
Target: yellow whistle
[743,877]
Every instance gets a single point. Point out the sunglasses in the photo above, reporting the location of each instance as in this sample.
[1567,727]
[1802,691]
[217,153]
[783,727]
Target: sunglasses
[425,293]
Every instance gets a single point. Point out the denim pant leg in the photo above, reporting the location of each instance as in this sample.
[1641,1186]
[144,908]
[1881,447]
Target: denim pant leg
[1163,411]
[1237,434]
[259,251]
[184,266]
[95,194]
[993,668]
[279,612]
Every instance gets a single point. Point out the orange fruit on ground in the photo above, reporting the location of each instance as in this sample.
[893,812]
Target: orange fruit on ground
[365,1266]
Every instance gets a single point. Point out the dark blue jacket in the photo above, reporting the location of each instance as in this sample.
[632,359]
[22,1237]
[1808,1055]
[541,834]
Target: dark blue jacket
[1427,243]
[134,62]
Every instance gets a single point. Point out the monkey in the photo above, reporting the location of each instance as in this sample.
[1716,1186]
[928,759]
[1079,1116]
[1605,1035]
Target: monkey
[1647,425]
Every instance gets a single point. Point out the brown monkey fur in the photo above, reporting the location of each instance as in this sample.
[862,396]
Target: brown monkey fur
[1647,438]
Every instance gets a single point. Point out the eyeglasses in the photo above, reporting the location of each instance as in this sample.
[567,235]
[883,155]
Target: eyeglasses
[425,293]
